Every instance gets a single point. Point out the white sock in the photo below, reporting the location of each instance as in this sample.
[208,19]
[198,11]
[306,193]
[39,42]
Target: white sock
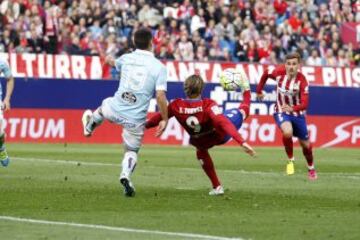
[96,119]
[128,164]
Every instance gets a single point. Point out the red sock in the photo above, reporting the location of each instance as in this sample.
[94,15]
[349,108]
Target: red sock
[208,166]
[308,155]
[289,146]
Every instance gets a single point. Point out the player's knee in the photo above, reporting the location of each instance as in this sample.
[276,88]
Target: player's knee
[287,133]
[200,155]
[305,144]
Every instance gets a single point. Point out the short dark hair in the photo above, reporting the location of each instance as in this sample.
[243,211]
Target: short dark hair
[193,85]
[142,38]
[293,55]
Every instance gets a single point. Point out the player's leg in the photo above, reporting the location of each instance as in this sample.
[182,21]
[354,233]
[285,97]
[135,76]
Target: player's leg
[208,166]
[4,158]
[132,138]
[284,123]
[300,131]
[91,120]
[236,117]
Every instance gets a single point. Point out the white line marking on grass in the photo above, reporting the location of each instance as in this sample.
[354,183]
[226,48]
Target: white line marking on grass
[119,229]
[70,162]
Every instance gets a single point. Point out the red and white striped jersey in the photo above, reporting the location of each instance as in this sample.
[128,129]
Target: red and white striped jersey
[293,92]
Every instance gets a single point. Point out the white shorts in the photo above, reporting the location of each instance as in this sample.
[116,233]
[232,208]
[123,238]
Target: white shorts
[133,132]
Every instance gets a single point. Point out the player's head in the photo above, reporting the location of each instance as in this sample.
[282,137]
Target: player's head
[292,62]
[193,86]
[143,39]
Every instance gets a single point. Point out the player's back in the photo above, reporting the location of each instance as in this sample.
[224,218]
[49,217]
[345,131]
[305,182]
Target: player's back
[194,115]
[140,75]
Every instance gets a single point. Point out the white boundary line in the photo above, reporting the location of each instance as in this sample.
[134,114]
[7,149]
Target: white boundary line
[118,229]
[71,162]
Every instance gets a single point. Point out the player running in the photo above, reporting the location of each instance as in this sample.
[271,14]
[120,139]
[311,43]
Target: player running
[206,125]
[141,75]
[292,101]
[5,106]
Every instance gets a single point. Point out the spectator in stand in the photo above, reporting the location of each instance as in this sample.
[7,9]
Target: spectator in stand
[330,59]
[104,25]
[35,42]
[314,59]
[225,30]
[186,49]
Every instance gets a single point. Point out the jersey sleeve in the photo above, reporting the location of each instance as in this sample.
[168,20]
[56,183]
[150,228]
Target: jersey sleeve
[245,105]
[5,69]
[220,121]
[156,118]
[304,95]
[161,81]
[119,62]
[272,74]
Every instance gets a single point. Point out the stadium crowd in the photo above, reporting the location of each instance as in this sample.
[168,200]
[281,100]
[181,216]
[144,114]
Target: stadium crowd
[215,30]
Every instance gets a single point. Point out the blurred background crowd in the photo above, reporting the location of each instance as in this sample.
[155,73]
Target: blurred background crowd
[215,30]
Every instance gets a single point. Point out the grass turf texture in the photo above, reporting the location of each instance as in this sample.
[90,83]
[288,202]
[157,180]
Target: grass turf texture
[172,194]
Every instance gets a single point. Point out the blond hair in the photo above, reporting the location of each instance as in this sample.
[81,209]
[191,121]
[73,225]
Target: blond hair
[193,86]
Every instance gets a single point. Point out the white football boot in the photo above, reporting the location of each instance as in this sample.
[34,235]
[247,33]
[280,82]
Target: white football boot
[85,120]
[219,190]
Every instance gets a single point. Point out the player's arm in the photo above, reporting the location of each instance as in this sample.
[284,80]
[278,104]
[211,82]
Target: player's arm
[9,88]
[220,121]
[161,87]
[156,118]
[245,105]
[265,76]
[110,60]
[162,104]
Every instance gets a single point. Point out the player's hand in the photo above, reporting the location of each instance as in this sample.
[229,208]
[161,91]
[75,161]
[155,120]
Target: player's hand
[161,128]
[248,149]
[110,60]
[6,105]
[260,96]
[287,108]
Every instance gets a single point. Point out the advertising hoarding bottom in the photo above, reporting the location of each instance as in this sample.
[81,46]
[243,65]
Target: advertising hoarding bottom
[64,126]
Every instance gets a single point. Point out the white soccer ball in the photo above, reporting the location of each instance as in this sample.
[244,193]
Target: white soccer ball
[231,80]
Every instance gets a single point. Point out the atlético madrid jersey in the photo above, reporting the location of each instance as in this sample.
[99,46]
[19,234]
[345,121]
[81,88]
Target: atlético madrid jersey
[293,92]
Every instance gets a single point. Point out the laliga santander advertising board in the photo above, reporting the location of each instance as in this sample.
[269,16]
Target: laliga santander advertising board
[48,101]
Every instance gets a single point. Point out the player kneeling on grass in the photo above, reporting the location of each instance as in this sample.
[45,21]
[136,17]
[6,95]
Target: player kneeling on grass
[141,75]
[206,125]
[290,109]
[5,106]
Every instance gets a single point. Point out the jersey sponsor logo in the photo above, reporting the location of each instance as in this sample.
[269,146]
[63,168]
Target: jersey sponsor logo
[129,97]
[286,92]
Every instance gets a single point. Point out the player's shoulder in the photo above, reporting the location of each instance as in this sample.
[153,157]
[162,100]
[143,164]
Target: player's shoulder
[301,77]
[208,102]
[178,102]
[280,69]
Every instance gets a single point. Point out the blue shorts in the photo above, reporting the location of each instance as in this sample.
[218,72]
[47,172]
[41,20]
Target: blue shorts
[235,117]
[298,124]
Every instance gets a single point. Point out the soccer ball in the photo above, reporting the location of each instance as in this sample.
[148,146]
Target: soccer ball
[231,80]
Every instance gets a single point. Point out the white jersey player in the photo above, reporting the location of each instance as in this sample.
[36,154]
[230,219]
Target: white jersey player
[141,75]
[5,106]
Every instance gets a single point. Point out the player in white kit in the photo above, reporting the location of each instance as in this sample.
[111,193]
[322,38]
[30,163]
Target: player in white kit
[5,106]
[141,74]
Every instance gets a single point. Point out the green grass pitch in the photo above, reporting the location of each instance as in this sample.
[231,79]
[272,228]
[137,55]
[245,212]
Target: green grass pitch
[261,202]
